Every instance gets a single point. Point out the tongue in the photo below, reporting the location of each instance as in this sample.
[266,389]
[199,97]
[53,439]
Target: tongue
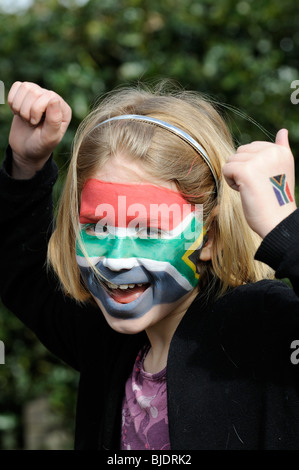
[124,296]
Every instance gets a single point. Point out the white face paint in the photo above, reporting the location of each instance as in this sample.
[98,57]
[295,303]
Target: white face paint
[143,266]
[147,273]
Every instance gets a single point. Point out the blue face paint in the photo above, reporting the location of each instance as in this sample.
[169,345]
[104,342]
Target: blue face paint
[142,267]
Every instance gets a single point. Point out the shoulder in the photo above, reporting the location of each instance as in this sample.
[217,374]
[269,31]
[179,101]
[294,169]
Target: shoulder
[263,301]
[256,291]
[262,317]
[267,303]
[250,325]
[247,295]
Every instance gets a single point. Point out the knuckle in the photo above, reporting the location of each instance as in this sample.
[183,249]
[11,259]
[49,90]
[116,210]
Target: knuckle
[30,86]
[36,110]
[12,91]
[16,84]
[24,112]
[244,147]
[69,110]
[56,121]
[27,86]
[16,106]
[51,94]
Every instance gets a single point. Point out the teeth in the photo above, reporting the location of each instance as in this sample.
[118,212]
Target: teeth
[123,286]
[112,286]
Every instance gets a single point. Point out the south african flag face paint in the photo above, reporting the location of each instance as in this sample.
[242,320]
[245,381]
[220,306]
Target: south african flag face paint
[143,240]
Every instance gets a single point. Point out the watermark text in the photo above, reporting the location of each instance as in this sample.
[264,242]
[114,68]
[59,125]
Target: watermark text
[166,221]
[295,94]
[2,93]
[2,353]
[295,354]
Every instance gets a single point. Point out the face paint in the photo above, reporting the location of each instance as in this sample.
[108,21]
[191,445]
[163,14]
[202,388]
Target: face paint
[144,242]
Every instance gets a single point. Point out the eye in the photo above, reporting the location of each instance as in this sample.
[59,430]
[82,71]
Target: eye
[149,232]
[89,229]
[96,230]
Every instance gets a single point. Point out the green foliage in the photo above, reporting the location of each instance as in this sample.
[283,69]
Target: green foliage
[241,53]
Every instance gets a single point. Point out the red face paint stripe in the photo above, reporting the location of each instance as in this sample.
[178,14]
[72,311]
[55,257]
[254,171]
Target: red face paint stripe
[122,203]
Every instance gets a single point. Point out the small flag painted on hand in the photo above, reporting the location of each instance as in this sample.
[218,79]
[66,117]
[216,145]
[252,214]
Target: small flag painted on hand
[281,189]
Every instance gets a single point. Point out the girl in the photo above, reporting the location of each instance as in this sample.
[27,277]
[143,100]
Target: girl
[163,307]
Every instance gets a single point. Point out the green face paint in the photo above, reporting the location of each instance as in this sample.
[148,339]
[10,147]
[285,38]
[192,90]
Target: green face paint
[151,264]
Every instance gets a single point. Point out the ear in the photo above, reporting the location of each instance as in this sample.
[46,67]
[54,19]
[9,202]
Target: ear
[206,252]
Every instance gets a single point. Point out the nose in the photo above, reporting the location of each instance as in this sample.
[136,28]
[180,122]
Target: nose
[120,255]
[116,264]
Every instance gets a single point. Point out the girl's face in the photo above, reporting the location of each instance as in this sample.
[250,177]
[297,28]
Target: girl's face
[143,237]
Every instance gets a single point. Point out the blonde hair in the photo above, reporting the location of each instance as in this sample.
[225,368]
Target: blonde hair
[165,157]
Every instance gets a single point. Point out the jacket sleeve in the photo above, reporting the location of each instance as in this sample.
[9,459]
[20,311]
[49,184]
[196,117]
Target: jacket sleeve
[280,250]
[260,320]
[27,287]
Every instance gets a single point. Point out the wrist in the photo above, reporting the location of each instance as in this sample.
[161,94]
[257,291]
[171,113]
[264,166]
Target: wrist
[276,218]
[24,168]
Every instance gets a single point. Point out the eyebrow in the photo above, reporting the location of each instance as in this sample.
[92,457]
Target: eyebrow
[161,222]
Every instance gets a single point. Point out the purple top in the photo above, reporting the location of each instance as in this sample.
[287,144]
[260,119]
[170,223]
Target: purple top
[144,410]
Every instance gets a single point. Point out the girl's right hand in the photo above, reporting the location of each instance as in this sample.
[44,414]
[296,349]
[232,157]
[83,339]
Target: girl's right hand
[41,118]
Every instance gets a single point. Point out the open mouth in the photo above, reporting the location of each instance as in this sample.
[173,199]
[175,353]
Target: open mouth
[124,293]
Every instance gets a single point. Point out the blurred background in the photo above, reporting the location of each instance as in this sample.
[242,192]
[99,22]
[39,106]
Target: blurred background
[244,54]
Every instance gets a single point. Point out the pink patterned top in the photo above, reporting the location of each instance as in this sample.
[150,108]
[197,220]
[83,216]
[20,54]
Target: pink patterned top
[144,410]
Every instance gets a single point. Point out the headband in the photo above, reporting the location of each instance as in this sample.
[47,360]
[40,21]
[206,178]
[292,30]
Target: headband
[175,130]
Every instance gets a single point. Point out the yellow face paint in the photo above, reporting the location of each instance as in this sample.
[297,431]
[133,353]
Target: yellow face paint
[143,239]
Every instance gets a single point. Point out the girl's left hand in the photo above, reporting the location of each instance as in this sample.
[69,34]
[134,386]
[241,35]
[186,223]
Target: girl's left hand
[264,174]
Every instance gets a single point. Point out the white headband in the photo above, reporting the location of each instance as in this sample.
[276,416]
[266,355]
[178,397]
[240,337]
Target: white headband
[175,130]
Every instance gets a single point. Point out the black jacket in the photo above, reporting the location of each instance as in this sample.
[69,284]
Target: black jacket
[230,380]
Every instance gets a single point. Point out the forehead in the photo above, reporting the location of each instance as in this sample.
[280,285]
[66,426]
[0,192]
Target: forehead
[100,192]
[117,200]
[120,168]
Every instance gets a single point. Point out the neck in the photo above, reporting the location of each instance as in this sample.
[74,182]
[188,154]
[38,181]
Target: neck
[160,335]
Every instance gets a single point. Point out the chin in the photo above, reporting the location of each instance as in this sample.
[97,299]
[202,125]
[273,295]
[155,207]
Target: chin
[131,326]
[126,326]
